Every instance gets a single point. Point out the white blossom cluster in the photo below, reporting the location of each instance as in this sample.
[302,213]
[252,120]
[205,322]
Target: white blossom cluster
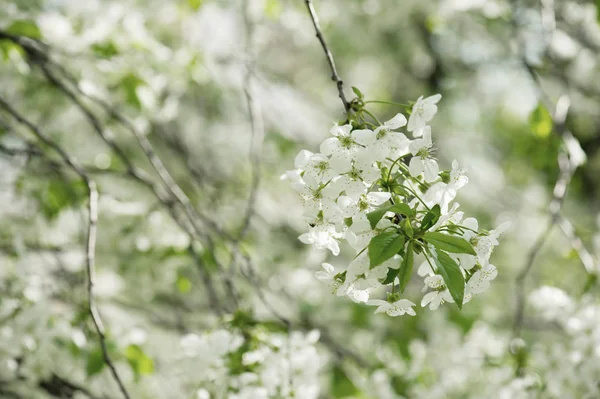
[254,364]
[570,365]
[386,196]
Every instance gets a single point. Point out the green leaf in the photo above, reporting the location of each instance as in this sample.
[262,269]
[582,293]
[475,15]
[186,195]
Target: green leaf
[376,215]
[357,92]
[140,363]
[408,229]
[391,275]
[24,27]
[129,84]
[383,246]
[598,11]
[273,9]
[195,4]
[10,50]
[540,121]
[406,267]
[60,194]
[105,50]
[449,243]
[184,285]
[431,218]
[95,362]
[453,277]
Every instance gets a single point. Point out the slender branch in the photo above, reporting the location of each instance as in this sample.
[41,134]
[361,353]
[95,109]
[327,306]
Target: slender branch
[567,167]
[91,234]
[258,130]
[334,74]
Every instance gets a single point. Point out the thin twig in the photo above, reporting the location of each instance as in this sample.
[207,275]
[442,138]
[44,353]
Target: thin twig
[257,129]
[91,234]
[334,74]
[567,167]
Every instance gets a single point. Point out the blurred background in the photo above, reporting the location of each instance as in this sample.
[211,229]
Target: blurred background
[185,113]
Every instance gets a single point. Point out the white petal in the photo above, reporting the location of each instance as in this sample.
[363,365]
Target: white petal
[305,238]
[428,298]
[330,146]
[338,130]
[427,136]
[424,269]
[416,145]
[431,170]
[434,99]
[396,122]
[302,158]
[364,136]
[415,167]
[378,198]
[321,275]
[334,247]
[340,163]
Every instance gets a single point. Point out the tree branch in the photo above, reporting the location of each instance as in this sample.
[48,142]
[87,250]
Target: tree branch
[91,234]
[334,74]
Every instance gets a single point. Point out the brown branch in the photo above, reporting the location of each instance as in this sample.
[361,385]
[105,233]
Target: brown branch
[91,234]
[334,74]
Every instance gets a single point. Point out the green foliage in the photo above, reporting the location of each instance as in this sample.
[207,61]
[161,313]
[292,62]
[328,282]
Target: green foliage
[375,216]
[94,363]
[139,362]
[406,267]
[195,4]
[60,194]
[105,50]
[384,246]
[273,8]
[431,218]
[8,48]
[25,27]
[453,277]
[540,121]
[184,285]
[341,386]
[449,243]
[129,84]
[357,92]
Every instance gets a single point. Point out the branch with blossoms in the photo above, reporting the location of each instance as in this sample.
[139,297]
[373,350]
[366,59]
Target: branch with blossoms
[386,196]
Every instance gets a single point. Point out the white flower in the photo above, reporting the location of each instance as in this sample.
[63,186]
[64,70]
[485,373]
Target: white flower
[553,303]
[382,142]
[341,147]
[480,280]
[443,193]
[317,166]
[398,308]
[421,160]
[327,275]
[358,295]
[422,112]
[366,203]
[322,236]
[436,298]
[485,244]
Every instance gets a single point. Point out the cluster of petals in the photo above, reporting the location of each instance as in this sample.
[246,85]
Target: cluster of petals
[346,180]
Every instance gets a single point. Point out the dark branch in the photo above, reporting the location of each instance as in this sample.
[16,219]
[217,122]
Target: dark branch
[334,74]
